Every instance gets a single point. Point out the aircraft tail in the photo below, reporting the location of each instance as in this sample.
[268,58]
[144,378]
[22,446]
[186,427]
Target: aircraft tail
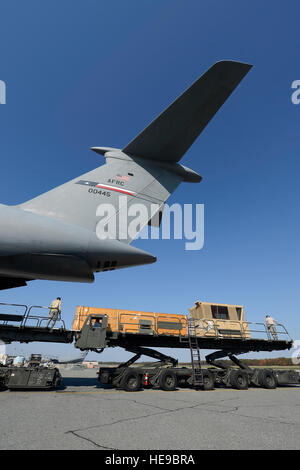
[146,170]
[170,135]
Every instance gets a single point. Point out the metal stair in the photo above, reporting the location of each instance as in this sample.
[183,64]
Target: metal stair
[195,355]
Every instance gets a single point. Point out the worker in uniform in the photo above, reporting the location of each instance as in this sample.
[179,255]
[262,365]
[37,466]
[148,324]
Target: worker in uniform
[54,312]
[271,327]
[97,323]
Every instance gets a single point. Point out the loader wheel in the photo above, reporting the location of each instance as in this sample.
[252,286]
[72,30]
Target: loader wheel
[168,380]
[267,379]
[57,382]
[208,380]
[239,379]
[131,381]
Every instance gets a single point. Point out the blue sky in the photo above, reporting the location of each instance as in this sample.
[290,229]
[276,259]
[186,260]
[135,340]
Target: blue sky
[92,73]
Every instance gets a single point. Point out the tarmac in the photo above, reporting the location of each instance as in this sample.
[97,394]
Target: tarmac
[84,415]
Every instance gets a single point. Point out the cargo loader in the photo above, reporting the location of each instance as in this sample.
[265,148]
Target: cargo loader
[219,327]
[209,326]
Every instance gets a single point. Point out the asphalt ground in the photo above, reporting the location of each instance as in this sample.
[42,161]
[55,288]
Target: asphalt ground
[84,415]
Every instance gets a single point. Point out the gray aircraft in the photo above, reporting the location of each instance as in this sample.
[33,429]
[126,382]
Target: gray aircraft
[54,236]
[74,359]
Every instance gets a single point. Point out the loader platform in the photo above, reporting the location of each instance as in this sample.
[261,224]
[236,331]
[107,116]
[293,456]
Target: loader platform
[226,344]
[25,324]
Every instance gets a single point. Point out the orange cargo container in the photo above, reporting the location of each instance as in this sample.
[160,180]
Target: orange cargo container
[136,322]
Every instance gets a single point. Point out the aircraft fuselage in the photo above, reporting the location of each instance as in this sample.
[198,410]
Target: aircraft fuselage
[34,246]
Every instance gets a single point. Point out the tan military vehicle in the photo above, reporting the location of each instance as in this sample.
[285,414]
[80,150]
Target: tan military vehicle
[210,320]
[122,321]
[219,320]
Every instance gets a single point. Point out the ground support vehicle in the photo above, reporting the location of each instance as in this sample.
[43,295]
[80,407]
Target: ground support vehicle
[29,378]
[221,328]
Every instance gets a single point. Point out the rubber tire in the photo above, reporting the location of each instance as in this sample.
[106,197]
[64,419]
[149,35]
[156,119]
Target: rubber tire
[104,378]
[57,383]
[239,379]
[167,380]
[267,379]
[131,381]
[208,380]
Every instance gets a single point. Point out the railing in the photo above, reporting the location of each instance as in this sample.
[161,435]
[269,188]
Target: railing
[12,310]
[24,316]
[40,319]
[280,331]
[238,329]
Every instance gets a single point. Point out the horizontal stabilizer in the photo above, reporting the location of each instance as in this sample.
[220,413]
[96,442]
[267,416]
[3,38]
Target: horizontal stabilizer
[170,135]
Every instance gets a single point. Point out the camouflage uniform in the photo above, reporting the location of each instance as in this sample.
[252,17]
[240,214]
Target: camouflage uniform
[271,327]
[54,313]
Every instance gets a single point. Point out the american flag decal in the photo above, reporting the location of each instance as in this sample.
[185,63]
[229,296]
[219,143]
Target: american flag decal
[123,177]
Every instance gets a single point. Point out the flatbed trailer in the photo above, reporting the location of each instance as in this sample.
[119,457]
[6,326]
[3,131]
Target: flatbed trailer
[141,331]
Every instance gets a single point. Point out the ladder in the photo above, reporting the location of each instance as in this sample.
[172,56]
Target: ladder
[195,355]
